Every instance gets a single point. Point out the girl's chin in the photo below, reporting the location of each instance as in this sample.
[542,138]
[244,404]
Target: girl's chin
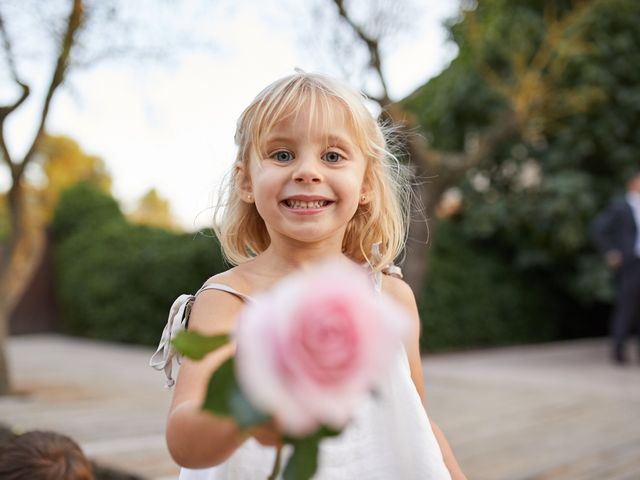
[312,237]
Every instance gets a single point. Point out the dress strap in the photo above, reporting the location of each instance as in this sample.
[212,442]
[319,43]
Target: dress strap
[178,321]
[224,288]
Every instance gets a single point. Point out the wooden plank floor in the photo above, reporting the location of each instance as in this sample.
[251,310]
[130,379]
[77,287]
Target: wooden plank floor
[546,412]
[103,395]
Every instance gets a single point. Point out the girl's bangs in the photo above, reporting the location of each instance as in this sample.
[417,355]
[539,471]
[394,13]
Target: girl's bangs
[322,105]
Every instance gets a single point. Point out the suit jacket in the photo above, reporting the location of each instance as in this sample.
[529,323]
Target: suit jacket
[616,229]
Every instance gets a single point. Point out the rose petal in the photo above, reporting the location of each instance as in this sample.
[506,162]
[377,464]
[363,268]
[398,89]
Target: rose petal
[311,348]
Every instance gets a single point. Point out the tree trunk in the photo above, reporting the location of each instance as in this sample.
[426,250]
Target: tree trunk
[421,234]
[15,211]
[5,380]
[7,265]
[416,252]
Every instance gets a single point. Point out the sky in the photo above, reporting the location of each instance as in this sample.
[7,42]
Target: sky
[170,126]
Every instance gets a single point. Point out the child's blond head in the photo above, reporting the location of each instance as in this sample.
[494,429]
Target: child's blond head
[383,218]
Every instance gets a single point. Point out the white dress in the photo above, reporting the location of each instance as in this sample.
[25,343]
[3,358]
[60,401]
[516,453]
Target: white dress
[389,439]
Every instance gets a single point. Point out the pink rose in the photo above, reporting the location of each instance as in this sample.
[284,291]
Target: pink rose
[310,349]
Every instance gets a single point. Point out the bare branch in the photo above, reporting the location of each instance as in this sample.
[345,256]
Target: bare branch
[6,110]
[73,25]
[8,48]
[373,45]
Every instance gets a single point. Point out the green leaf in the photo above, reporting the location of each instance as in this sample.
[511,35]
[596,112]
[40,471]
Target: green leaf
[225,398]
[220,390]
[303,462]
[244,413]
[195,346]
[327,432]
[318,435]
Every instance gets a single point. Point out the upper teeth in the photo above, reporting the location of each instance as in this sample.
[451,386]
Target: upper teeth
[302,204]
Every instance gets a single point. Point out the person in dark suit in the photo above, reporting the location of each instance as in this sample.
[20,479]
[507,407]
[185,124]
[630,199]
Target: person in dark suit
[616,234]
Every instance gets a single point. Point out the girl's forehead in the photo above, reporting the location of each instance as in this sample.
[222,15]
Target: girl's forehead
[314,121]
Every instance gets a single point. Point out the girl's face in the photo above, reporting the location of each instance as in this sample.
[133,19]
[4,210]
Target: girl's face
[308,183]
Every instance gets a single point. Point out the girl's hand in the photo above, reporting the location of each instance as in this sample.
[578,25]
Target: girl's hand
[267,434]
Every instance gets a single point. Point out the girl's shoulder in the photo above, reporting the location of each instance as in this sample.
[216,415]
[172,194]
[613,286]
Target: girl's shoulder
[242,278]
[399,290]
[232,278]
[218,302]
[402,293]
[210,311]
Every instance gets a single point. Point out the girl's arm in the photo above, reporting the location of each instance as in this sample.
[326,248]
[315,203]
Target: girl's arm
[198,439]
[403,294]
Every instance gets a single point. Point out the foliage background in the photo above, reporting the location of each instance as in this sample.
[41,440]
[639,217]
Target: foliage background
[513,263]
[516,263]
[116,280]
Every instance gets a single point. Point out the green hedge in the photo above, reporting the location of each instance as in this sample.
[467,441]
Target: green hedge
[476,298]
[116,281]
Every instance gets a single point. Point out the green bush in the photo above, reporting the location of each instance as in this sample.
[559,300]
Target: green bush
[476,298]
[116,281]
[83,207]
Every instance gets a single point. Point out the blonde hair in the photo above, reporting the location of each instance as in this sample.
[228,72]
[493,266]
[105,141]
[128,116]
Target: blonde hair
[383,219]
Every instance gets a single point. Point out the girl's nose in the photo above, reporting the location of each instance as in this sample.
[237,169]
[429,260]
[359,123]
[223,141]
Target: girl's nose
[307,171]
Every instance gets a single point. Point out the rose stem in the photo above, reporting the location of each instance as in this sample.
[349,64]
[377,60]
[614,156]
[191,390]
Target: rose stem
[276,465]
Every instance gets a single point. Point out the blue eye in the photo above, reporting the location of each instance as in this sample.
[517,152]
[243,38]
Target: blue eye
[282,156]
[332,157]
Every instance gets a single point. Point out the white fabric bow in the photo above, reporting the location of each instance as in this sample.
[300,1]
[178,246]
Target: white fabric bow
[390,269]
[162,359]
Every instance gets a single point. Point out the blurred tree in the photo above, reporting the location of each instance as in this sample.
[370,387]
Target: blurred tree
[502,86]
[532,125]
[510,111]
[570,68]
[154,211]
[4,221]
[64,164]
[61,36]
[18,237]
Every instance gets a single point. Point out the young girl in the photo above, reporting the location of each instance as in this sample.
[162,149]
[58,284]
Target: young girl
[43,455]
[313,180]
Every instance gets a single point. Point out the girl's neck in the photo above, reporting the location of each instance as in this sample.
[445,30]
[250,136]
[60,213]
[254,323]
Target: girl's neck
[282,259]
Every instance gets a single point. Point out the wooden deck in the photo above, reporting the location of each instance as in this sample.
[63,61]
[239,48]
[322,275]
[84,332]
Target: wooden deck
[546,412]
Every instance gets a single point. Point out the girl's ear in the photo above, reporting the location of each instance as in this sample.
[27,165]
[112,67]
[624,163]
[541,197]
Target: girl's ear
[365,197]
[365,192]
[243,183]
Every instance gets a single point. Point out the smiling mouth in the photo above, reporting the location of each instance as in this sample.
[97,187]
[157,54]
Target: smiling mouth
[309,205]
